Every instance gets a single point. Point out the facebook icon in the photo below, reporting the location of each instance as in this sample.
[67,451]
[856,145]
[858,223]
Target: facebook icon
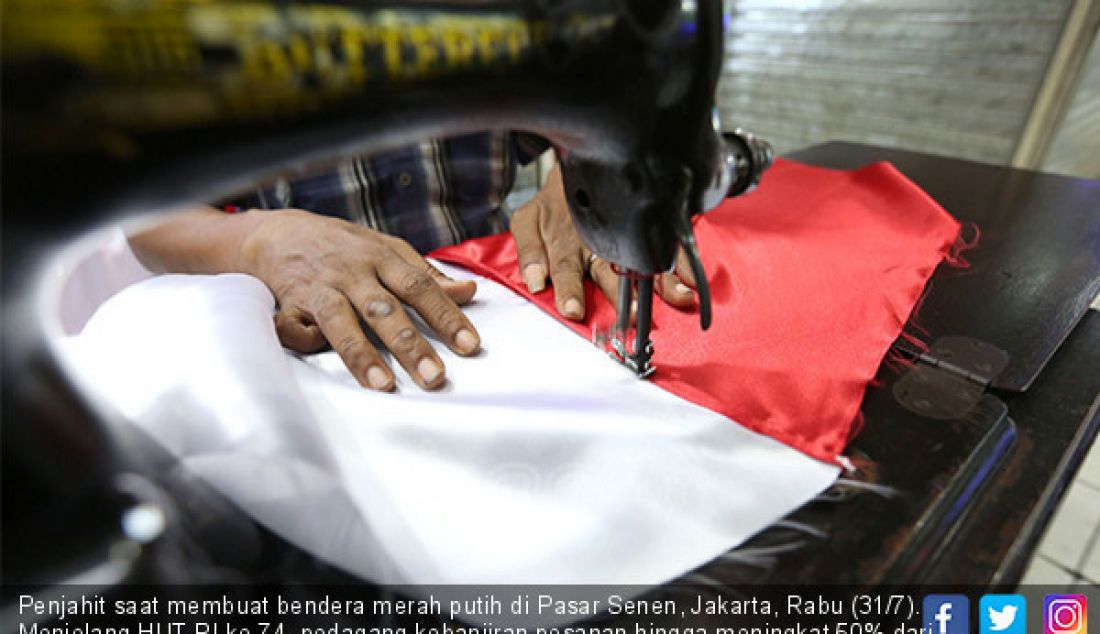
[946,614]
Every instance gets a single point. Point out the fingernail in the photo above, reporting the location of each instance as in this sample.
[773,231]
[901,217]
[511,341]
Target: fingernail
[682,288]
[572,308]
[376,378]
[534,277]
[633,307]
[466,341]
[429,370]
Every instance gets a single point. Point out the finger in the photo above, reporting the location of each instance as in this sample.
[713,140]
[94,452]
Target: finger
[683,269]
[673,291]
[296,331]
[338,322]
[567,276]
[531,251]
[461,291]
[383,313]
[420,291]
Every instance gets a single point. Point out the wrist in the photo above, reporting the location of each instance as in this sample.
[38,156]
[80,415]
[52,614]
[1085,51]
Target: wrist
[245,244]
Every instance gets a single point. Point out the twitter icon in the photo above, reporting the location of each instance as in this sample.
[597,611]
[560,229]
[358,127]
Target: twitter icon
[1002,614]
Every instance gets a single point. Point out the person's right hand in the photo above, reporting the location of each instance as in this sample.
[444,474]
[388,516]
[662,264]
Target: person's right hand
[547,243]
[327,274]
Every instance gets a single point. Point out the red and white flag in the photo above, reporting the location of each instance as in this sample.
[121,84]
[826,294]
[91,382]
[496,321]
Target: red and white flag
[543,461]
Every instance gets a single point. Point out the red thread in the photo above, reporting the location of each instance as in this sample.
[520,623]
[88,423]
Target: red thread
[962,245]
[897,362]
[857,426]
[915,341]
[915,313]
[633,275]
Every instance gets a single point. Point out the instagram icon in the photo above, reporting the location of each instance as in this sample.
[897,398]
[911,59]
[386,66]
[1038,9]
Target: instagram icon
[1065,614]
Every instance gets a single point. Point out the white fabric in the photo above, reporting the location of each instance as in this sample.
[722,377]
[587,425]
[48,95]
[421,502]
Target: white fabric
[541,461]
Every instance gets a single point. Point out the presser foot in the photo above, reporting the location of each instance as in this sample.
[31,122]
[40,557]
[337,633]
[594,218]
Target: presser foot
[639,357]
[640,363]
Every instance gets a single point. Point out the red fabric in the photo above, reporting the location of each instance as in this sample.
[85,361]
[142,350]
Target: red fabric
[813,276]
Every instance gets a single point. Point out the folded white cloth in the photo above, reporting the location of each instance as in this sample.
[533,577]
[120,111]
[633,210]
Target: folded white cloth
[541,461]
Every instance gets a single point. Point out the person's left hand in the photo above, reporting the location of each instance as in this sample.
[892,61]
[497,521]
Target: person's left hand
[548,244]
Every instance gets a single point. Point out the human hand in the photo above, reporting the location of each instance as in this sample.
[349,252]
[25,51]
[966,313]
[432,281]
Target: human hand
[327,274]
[547,243]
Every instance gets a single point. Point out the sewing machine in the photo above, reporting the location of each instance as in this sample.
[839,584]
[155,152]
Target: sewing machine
[112,108]
[227,95]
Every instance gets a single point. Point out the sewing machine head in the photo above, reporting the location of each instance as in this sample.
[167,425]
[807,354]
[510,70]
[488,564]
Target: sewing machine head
[623,90]
[165,102]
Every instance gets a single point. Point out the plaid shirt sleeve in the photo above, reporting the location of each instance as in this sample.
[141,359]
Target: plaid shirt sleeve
[433,194]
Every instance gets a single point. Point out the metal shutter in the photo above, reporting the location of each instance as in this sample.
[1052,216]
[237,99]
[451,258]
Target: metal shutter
[941,76]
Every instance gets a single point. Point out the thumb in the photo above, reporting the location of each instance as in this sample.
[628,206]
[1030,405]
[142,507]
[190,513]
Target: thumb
[297,332]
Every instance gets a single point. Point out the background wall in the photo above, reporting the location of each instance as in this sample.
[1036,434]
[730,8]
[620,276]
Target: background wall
[955,77]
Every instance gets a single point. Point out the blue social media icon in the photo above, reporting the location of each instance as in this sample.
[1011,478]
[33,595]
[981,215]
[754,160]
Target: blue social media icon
[946,614]
[1002,614]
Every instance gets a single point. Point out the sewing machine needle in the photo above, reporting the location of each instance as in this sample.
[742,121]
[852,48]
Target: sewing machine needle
[643,347]
[622,309]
